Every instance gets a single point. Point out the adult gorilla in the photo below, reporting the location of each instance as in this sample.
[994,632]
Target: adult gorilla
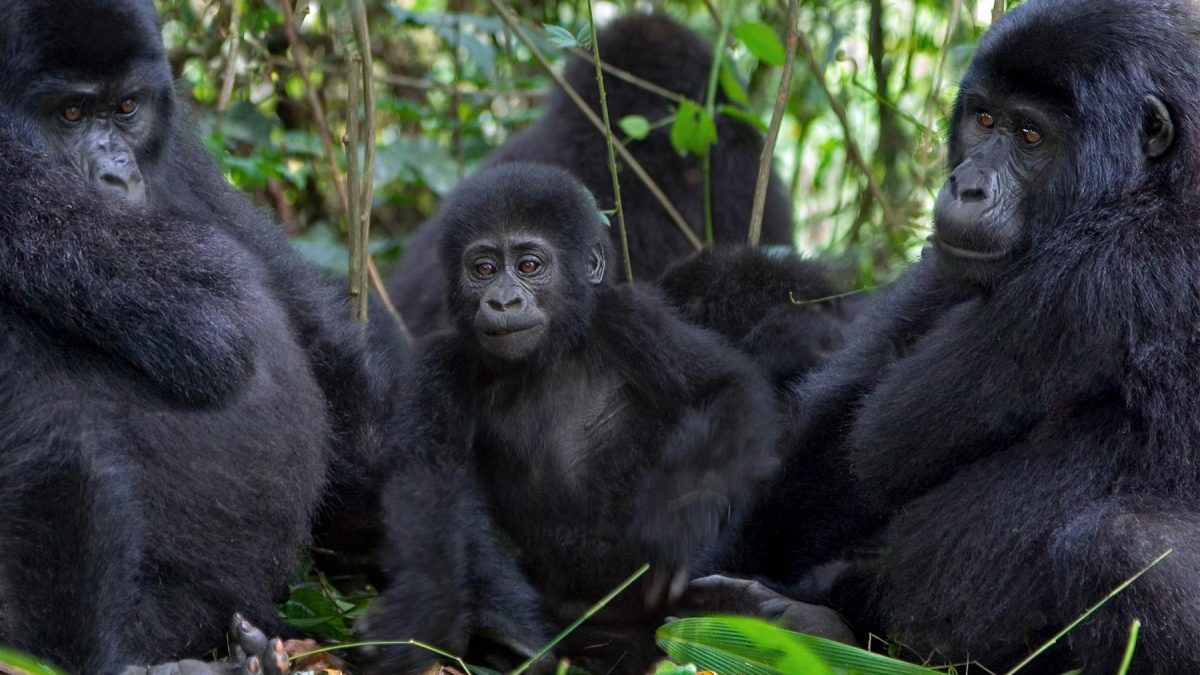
[1027,404]
[665,53]
[165,362]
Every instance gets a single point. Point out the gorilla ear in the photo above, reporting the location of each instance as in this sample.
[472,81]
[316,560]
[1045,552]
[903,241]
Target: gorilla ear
[1158,131]
[595,272]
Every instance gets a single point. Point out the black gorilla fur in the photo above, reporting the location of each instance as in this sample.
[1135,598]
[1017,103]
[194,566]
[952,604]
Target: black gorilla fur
[1032,419]
[782,310]
[528,486]
[658,50]
[168,368]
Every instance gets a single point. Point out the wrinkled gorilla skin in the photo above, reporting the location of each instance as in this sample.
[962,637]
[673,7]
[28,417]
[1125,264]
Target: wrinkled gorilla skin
[167,366]
[1026,403]
[565,432]
[780,309]
[658,50]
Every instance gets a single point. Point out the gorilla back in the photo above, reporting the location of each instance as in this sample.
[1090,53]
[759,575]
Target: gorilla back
[163,437]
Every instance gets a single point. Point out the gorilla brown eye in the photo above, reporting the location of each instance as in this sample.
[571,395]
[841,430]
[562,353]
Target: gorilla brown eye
[485,269]
[528,266]
[1031,136]
[985,120]
[127,107]
[72,113]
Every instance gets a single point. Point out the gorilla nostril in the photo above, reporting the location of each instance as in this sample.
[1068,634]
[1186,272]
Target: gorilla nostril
[974,193]
[514,303]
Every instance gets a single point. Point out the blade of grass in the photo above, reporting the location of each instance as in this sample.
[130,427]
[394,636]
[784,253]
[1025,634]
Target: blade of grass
[1134,628]
[578,622]
[1091,610]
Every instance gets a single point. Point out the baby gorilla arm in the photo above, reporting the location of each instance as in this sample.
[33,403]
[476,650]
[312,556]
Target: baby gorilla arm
[722,441]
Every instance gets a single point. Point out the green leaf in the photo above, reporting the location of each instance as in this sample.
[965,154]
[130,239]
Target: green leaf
[668,668]
[743,115]
[584,36]
[22,663]
[732,86]
[737,645]
[634,126]
[693,131]
[560,37]
[752,646]
[762,42]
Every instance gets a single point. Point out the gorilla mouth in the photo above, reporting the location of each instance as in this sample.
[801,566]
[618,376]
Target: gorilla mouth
[972,255]
[501,332]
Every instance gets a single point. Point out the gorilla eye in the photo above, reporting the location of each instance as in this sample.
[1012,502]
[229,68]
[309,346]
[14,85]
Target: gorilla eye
[985,120]
[72,113]
[1031,136]
[485,269]
[128,107]
[528,266]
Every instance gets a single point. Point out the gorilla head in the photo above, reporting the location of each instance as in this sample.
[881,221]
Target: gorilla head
[1067,108]
[523,270]
[98,89]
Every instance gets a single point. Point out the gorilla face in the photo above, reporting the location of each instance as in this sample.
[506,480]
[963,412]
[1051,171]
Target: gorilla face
[92,75]
[507,274]
[515,280]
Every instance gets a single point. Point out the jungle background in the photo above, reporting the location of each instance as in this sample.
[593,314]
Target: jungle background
[860,149]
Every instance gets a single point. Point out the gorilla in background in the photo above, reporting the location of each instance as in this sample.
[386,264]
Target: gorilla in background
[168,366]
[565,432]
[782,310]
[658,50]
[1026,403]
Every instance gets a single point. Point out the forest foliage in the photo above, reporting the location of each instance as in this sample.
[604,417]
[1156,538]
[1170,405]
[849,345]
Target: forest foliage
[860,149]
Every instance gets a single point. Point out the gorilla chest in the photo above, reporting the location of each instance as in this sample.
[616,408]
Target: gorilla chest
[562,427]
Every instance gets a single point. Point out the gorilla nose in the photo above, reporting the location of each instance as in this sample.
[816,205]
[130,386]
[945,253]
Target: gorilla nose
[121,177]
[973,185]
[501,304]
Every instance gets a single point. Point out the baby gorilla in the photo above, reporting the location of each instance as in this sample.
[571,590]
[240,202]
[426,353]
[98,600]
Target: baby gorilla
[564,432]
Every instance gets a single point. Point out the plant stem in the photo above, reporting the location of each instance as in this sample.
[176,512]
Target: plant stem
[766,161]
[710,108]
[608,142]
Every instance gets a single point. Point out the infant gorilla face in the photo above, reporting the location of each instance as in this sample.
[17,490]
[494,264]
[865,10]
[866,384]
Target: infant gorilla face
[507,274]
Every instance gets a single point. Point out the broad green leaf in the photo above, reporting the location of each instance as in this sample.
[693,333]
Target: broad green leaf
[693,131]
[746,645]
[737,644]
[634,126]
[731,85]
[560,37]
[22,663]
[584,36]
[762,42]
[743,115]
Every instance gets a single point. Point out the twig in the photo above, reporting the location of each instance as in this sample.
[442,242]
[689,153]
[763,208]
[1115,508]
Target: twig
[631,161]
[629,77]
[298,58]
[366,192]
[765,161]
[852,149]
[608,143]
[955,8]
[352,141]
[235,42]
[997,10]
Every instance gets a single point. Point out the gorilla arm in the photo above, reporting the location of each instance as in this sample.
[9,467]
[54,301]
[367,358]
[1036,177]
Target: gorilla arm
[721,446]
[448,578]
[164,295]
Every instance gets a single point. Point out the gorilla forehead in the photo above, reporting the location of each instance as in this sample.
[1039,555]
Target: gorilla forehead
[1050,49]
[522,196]
[84,38]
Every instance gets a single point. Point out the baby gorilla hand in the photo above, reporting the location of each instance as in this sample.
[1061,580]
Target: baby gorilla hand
[673,533]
